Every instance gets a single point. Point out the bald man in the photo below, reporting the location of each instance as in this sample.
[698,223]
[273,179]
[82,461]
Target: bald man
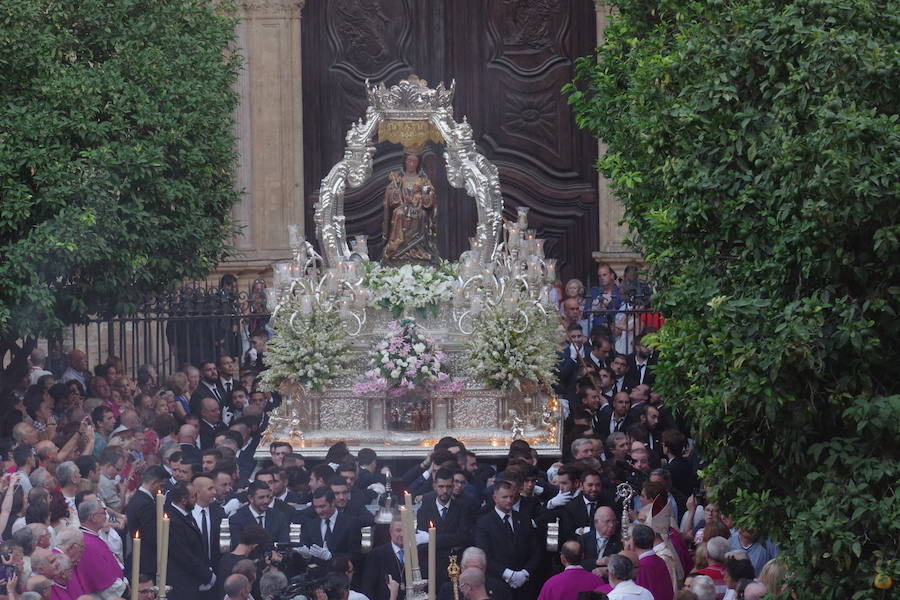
[602,540]
[471,584]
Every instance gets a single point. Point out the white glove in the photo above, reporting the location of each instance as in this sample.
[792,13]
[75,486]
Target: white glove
[304,552]
[561,499]
[507,574]
[320,553]
[208,586]
[518,579]
[421,537]
[538,490]
[378,488]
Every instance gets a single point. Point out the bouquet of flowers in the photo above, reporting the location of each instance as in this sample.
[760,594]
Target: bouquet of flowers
[404,361]
[419,287]
[503,358]
[309,354]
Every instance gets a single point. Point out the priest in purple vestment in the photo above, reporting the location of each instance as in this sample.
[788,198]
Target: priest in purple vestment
[653,573]
[98,572]
[573,579]
[70,543]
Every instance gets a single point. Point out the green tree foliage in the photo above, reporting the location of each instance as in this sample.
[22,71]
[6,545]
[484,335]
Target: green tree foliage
[756,148]
[116,153]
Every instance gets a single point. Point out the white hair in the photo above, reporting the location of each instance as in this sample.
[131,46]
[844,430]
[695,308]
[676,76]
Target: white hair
[755,591]
[473,554]
[68,537]
[704,587]
[717,548]
[65,472]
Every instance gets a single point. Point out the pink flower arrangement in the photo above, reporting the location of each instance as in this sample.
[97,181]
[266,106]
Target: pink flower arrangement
[405,361]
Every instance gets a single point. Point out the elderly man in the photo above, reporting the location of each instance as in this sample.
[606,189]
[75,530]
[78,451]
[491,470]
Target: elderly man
[78,369]
[69,479]
[621,571]
[474,558]
[603,540]
[471,585]
[98,571]
[574,578]
[70,543]
[49,564]
[237,587]
[716,549]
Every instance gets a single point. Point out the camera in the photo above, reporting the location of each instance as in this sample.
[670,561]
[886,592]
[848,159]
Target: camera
[700,496]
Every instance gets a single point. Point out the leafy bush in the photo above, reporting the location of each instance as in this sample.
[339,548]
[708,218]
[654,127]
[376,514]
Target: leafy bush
[116,153]
[756,148]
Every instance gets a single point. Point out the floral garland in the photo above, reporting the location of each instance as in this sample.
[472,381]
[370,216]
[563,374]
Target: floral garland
[309,358]
[504,359]
[404,361]
[418,287]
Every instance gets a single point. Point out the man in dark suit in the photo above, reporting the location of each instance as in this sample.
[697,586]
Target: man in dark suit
[602,540]
[621,380]
[189,569]
[210,421]
[209,387]
[601,352]
[613,417]
[641,363]
[350,505]
[329,532]
[451,519]
[257,511]
[580,511]
[208,515]
[368,473]
[512,549]
[141,516]
[385,560]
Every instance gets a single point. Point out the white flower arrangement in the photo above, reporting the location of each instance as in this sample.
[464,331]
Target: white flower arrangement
[404,361]
[503,358]
[418,287]
[309,356]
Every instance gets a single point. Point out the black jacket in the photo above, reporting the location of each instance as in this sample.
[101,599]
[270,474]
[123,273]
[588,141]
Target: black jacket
[141,516]
[188,565]
[520,550]
[454,531]
[589,545]
[274,522]
[380,563]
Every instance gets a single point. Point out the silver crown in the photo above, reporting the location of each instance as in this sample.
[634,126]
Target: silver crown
[410,96]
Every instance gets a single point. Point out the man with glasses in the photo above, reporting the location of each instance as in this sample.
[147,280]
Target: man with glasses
[98,572]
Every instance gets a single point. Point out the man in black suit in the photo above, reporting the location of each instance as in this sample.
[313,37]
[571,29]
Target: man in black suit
[270,478]
[602,540]
[613,417]
[210,422]
[209,387]
[580,511]
[189,569]
[352,506]
[641,363]
[451,519]
[368,470]
[208,515]
[512,549]
[601,352]
[257,511]
[141,516]
[621,380]
[329,532]
[386,560]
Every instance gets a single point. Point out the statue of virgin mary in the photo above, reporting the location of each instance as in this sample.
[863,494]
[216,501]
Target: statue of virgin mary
[410,209]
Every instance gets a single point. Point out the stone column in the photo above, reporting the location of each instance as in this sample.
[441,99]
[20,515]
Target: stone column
[269,125]
[611,248]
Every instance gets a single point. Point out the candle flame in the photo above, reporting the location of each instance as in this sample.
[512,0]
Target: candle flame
[137,535]
[431,523]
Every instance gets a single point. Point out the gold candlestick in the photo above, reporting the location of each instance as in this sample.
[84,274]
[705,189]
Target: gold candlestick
[453,574]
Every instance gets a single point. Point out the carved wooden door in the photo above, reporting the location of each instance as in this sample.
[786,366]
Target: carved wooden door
[509,58]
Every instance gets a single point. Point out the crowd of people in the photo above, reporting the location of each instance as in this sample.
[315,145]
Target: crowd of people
[86,452]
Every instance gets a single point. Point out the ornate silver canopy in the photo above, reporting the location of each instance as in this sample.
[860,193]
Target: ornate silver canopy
[404,104]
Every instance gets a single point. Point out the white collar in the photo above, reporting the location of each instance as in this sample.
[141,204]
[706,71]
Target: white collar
[646,554]
[255,514]
[573,567]
[502,514]
[440,506]
[179,509]
[396,548]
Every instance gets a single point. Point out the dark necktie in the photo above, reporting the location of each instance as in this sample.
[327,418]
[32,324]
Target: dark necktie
[205,531]
[400,556]
[592,506]
[327,531]
[260,519]
[443,513]
[216,394]
[228,387]
[508,523]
